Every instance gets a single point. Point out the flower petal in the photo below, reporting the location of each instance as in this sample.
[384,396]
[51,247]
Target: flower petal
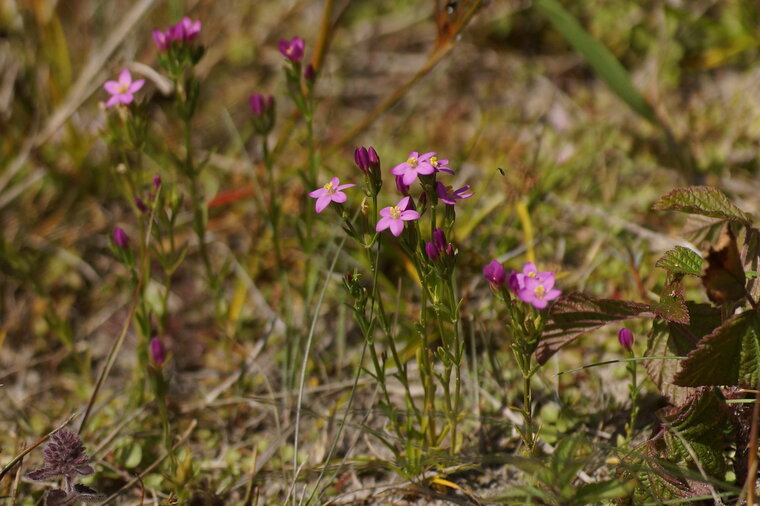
[397,226]
[112,101]
[125,77]
[335,181]
[409,215]
[552,294]
[400,169]
[317,193]
[403,202]
[322,203]
[385,212]
[135,86]
[111,87]
[344,186]
[339,197]
[383,223]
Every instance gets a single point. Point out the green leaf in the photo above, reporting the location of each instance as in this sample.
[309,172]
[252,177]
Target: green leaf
[674,339]
[576,314]
[702,200]
[728,356]
[594,493]
[671,305]
[598,56]
[681,260]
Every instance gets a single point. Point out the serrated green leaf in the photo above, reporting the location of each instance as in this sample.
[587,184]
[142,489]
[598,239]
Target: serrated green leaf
[674,339]
[576,314]
[671,305]
[598,56]
[728,356]
[702,200]
[681,260]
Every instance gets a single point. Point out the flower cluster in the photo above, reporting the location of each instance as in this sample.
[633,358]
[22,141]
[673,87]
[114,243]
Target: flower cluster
[531,286]
[183,32]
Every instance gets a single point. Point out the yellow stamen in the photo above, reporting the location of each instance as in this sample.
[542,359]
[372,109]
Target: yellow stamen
[434,161]
[531,274]
[329,188]
[395,212]
[412,161]
[540,291]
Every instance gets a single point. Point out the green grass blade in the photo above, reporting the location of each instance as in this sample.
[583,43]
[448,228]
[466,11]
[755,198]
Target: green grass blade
[598,56]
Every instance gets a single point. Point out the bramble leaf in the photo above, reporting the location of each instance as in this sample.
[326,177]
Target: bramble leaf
[675,339]
[728,356]
[681,260]
[576,314]
[703,200]
[671,305]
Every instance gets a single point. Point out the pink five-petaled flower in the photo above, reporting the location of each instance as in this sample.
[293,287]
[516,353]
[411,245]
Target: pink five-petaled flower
[440,165]
[449,195]
[122,90]
[331,192]
[538,290]
[393,217]
[516,280]
[414,166]
[292,50]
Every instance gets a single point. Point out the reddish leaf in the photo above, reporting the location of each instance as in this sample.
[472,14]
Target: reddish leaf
[576,314]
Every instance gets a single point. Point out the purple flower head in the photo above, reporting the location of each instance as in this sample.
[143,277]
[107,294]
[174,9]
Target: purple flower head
[538,290]
[516,280]
[162,40]
[402,188]
[120,238]
[331,192]
[260,105]
[449,196]
[156,181]
[361,157]
[494,273]
[393,217]
[122,91]
[625,338]
[440,165]
[292,50]
[188,29]
[414,166]
[157,351]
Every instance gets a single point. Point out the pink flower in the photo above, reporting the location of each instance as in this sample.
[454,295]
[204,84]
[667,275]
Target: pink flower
[449,195]
[393,217]
[157,351]
[538,290]
[162,40]
[292,50]
[516,280]
[413,166]
[122,90]
[331,192]
[186,30]
[440,165]
[494,273]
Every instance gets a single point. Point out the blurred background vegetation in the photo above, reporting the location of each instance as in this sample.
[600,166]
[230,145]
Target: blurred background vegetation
[513,94]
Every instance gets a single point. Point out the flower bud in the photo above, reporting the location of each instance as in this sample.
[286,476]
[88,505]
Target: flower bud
[374,160]
[157,351]
[120,238]
[361,157]
[141,205]
[439,239]
[625,338]
[494,273]
[431,251]
[156,181]
[400,186]
[309,73]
